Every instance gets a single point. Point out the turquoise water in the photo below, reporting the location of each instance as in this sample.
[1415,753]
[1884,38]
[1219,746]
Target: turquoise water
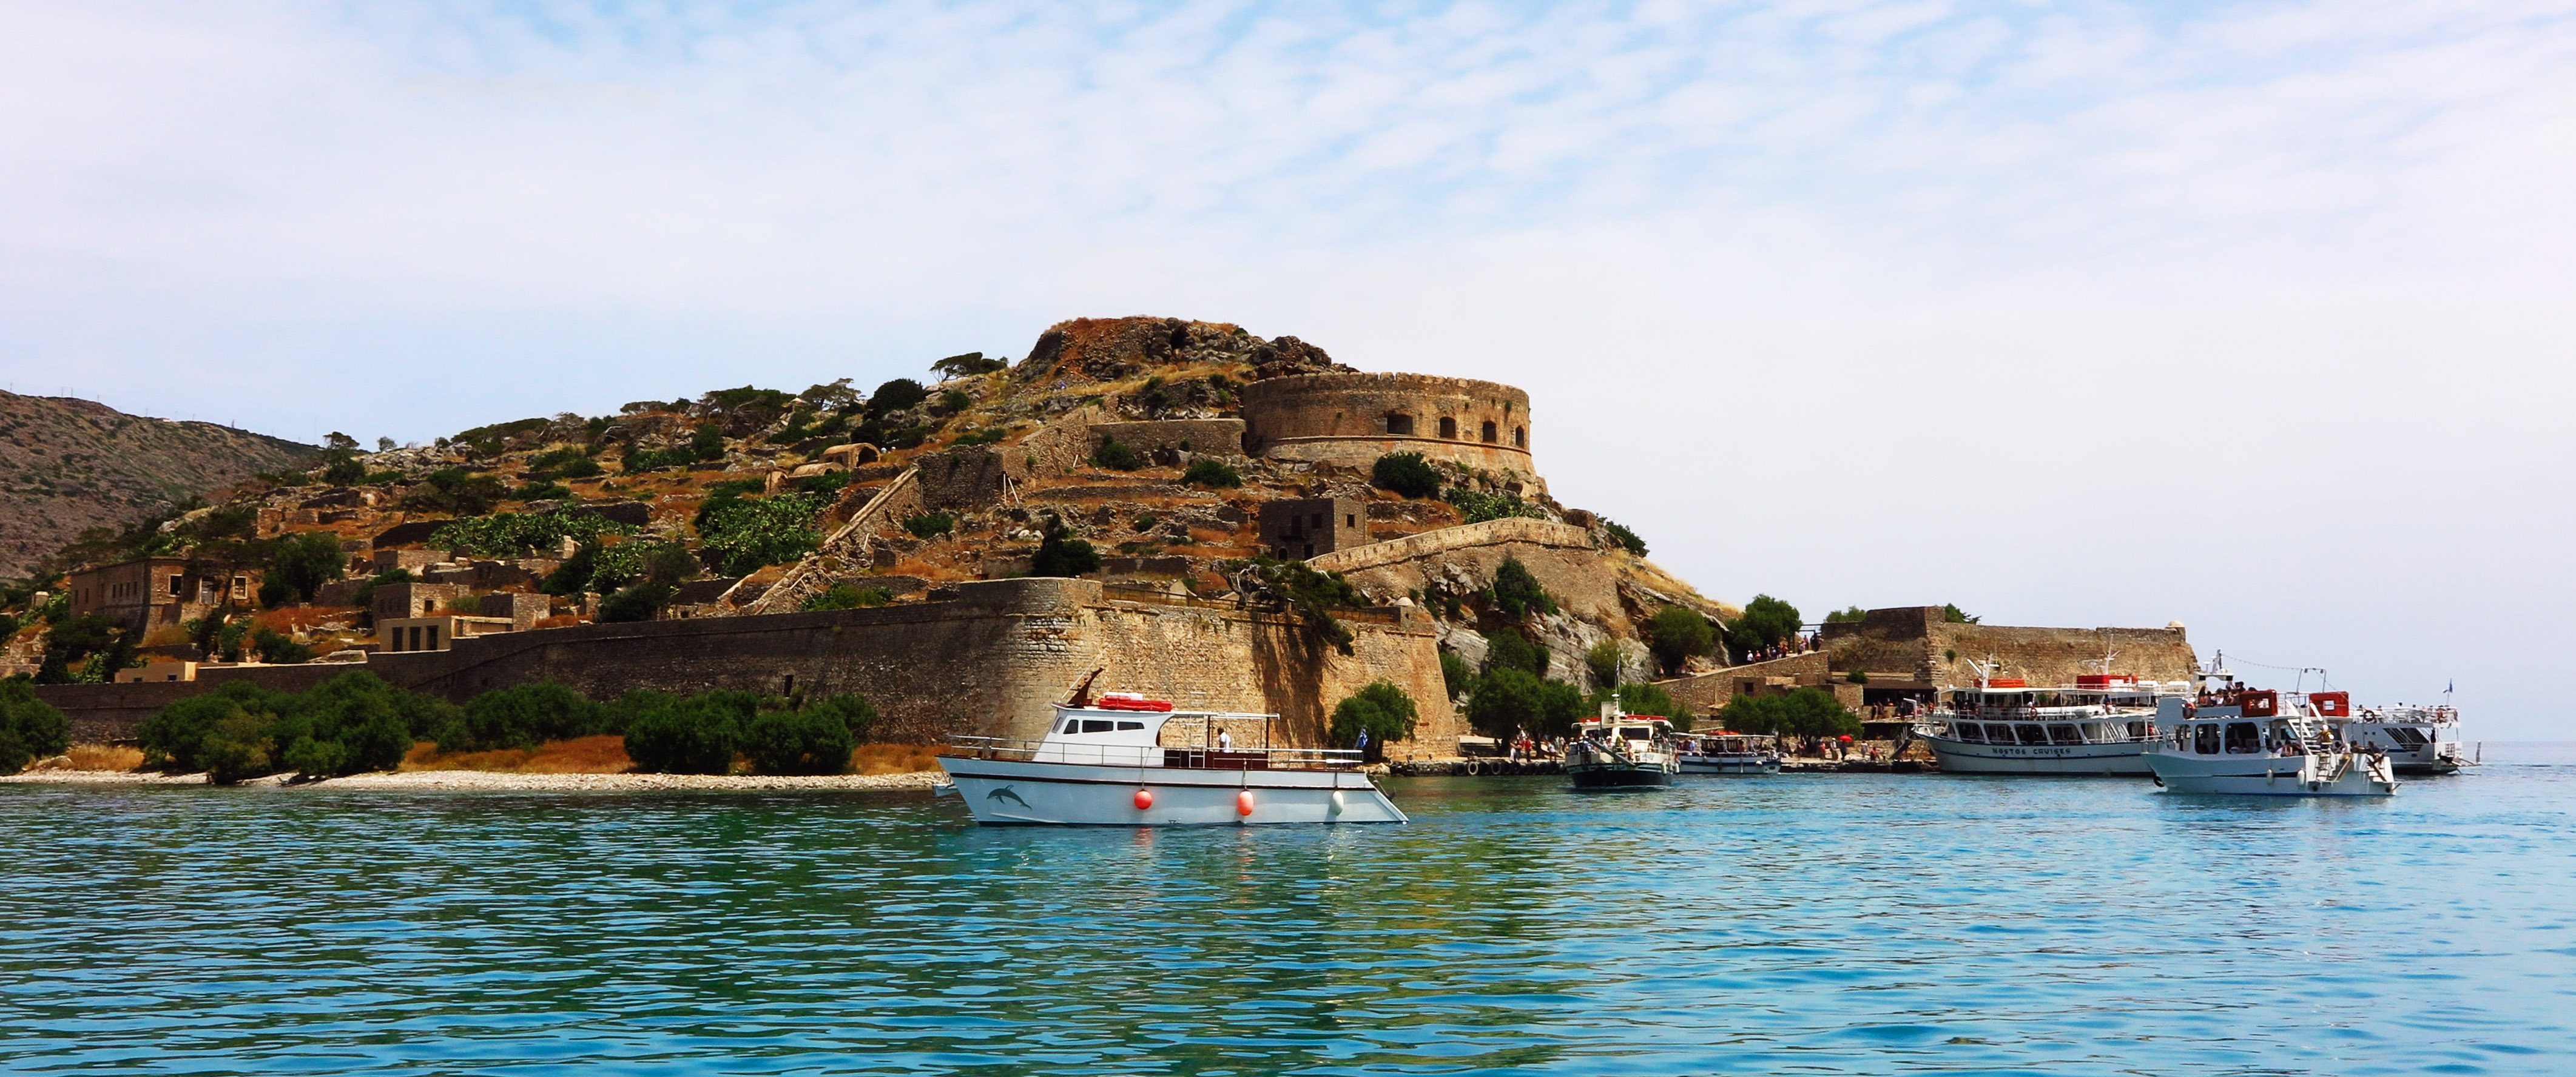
[1796,924]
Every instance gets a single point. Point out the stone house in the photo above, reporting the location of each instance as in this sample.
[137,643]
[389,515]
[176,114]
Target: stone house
[149,593]
[1300,528]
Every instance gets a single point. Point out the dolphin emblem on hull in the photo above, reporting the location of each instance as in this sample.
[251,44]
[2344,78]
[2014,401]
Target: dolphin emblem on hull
[1005,793]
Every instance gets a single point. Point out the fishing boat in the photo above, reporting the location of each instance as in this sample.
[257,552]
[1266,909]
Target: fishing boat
[1103,762]
[1726,753]
[2260,742]
[1621,751]
[2104,723]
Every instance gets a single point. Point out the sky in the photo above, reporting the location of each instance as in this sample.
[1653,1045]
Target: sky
[2252,316]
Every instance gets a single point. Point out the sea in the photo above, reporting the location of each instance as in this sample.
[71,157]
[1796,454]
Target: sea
[1794,924]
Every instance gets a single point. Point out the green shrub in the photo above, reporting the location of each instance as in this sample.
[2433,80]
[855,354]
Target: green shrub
[457,491]
[1675,634]
[1851,616]
[697,735]
[1517,594]
[1479,508]
[956,400]
[1115,456]
[522,716]
[798,742]
[848,596]
[1212,474]
[30,728]
[1604,659]
[1510,699]
[1381,709]
[706,443]
[1951,613]
[741,535]
[637,602]
[1060,554]
[930,525]
[278,648]
[343,469]
[1806,712]
[1626,539]
[1406,474]
[987,436]
[350,723]
[1857,677]
[896,395]
[547,491]
[1314,594]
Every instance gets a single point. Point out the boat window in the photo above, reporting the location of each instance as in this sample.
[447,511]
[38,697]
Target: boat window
[1071,725]
[2243,739]
[2137,731]
[1997,733]
[2064,733]
[2412,738]
[2204,739]
[1968,731]
[1131,725]
[1098,725]
[2031,734]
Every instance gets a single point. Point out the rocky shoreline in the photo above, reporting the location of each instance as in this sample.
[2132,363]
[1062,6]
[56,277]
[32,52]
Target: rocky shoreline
[502,781]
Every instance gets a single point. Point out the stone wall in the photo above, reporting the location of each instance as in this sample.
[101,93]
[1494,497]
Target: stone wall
[1221,437]
[1705,693]
[1916,642]
[1465,536]
[1352,419]
[988,662]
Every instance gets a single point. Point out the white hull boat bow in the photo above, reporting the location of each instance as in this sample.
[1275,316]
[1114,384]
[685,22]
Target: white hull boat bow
[2244,742]
[1106,766]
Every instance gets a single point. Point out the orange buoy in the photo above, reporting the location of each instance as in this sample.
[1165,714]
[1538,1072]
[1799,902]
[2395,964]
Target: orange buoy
[1144,799]
[1243,802]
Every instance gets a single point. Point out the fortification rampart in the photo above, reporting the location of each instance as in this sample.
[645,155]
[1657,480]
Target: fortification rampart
[988,662]
[1464,559]
[1916,642]
[1446,539]
[1352,419]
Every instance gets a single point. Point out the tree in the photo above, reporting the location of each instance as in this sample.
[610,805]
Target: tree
[1676,634]
[1626,539]
[87,636]
[1950,612]
[1379,709]
[1604,660]
[1455,674]
[896,395]
[30,728]
[1504,700]
[1407,474]
[638,602]
[1853,615]
[1767,622]
[1314,594]
[1061,554]
[307,561]
[1806,712]
[521,716]
[1517,594]
[1511,650]
[278,648]
[967,365]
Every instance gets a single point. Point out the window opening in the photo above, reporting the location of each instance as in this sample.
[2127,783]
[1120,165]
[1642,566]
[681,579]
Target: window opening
[1448,427]
[1486,433]
[2204,739]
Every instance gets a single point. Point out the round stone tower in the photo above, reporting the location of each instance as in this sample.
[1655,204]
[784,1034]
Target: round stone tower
[1353,419]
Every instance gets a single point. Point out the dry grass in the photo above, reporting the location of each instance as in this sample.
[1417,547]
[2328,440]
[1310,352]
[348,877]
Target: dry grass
[893,758]
[604,754]
[102,757]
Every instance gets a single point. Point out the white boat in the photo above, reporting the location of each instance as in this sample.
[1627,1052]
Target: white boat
[2417,740]
[1726,753]
[2101,724]
[1621,751]
[1105,764]
[2258,742]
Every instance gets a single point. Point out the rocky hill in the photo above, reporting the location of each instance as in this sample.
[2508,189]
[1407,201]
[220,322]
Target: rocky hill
[67,466]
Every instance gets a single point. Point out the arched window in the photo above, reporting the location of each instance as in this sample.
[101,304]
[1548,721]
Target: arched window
[1448,427]
[1399,423]
[1486,435]
[1520,437]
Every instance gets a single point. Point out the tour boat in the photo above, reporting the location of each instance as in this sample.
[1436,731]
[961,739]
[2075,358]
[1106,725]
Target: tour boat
[2104,723]
[2412,737]
[1104,763]
[2259,742]
[1726,753]
[1621,751]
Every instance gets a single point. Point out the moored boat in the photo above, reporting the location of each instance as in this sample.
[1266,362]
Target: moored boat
[1621,751]
[2102,724]
[2259,742]
[1726,753]
[1103,763]
[2417,740]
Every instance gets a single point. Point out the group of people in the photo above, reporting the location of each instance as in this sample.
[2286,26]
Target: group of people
[1795,645]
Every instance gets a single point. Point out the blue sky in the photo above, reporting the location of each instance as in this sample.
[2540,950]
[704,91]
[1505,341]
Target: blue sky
[2244,315]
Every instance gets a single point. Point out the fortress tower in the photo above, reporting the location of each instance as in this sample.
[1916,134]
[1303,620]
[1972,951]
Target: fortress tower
[1352,419]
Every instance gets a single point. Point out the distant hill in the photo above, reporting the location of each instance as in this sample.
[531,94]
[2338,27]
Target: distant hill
[69,465]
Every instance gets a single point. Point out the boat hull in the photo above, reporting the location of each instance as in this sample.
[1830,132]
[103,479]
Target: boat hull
[1745,765]
[2262,776]
[1619,775]
[1007,792]
[2123,758]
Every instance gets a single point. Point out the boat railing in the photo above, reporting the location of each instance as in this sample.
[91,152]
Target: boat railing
[1141,755]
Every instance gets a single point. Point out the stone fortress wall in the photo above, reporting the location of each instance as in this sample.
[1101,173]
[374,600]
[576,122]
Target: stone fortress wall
[987,661]
[1352,419]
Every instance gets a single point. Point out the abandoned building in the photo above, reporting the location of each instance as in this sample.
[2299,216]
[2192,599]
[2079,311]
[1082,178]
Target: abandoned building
[1300,528]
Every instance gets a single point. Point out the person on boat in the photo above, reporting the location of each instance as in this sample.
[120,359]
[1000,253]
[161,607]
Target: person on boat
[1224,740]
